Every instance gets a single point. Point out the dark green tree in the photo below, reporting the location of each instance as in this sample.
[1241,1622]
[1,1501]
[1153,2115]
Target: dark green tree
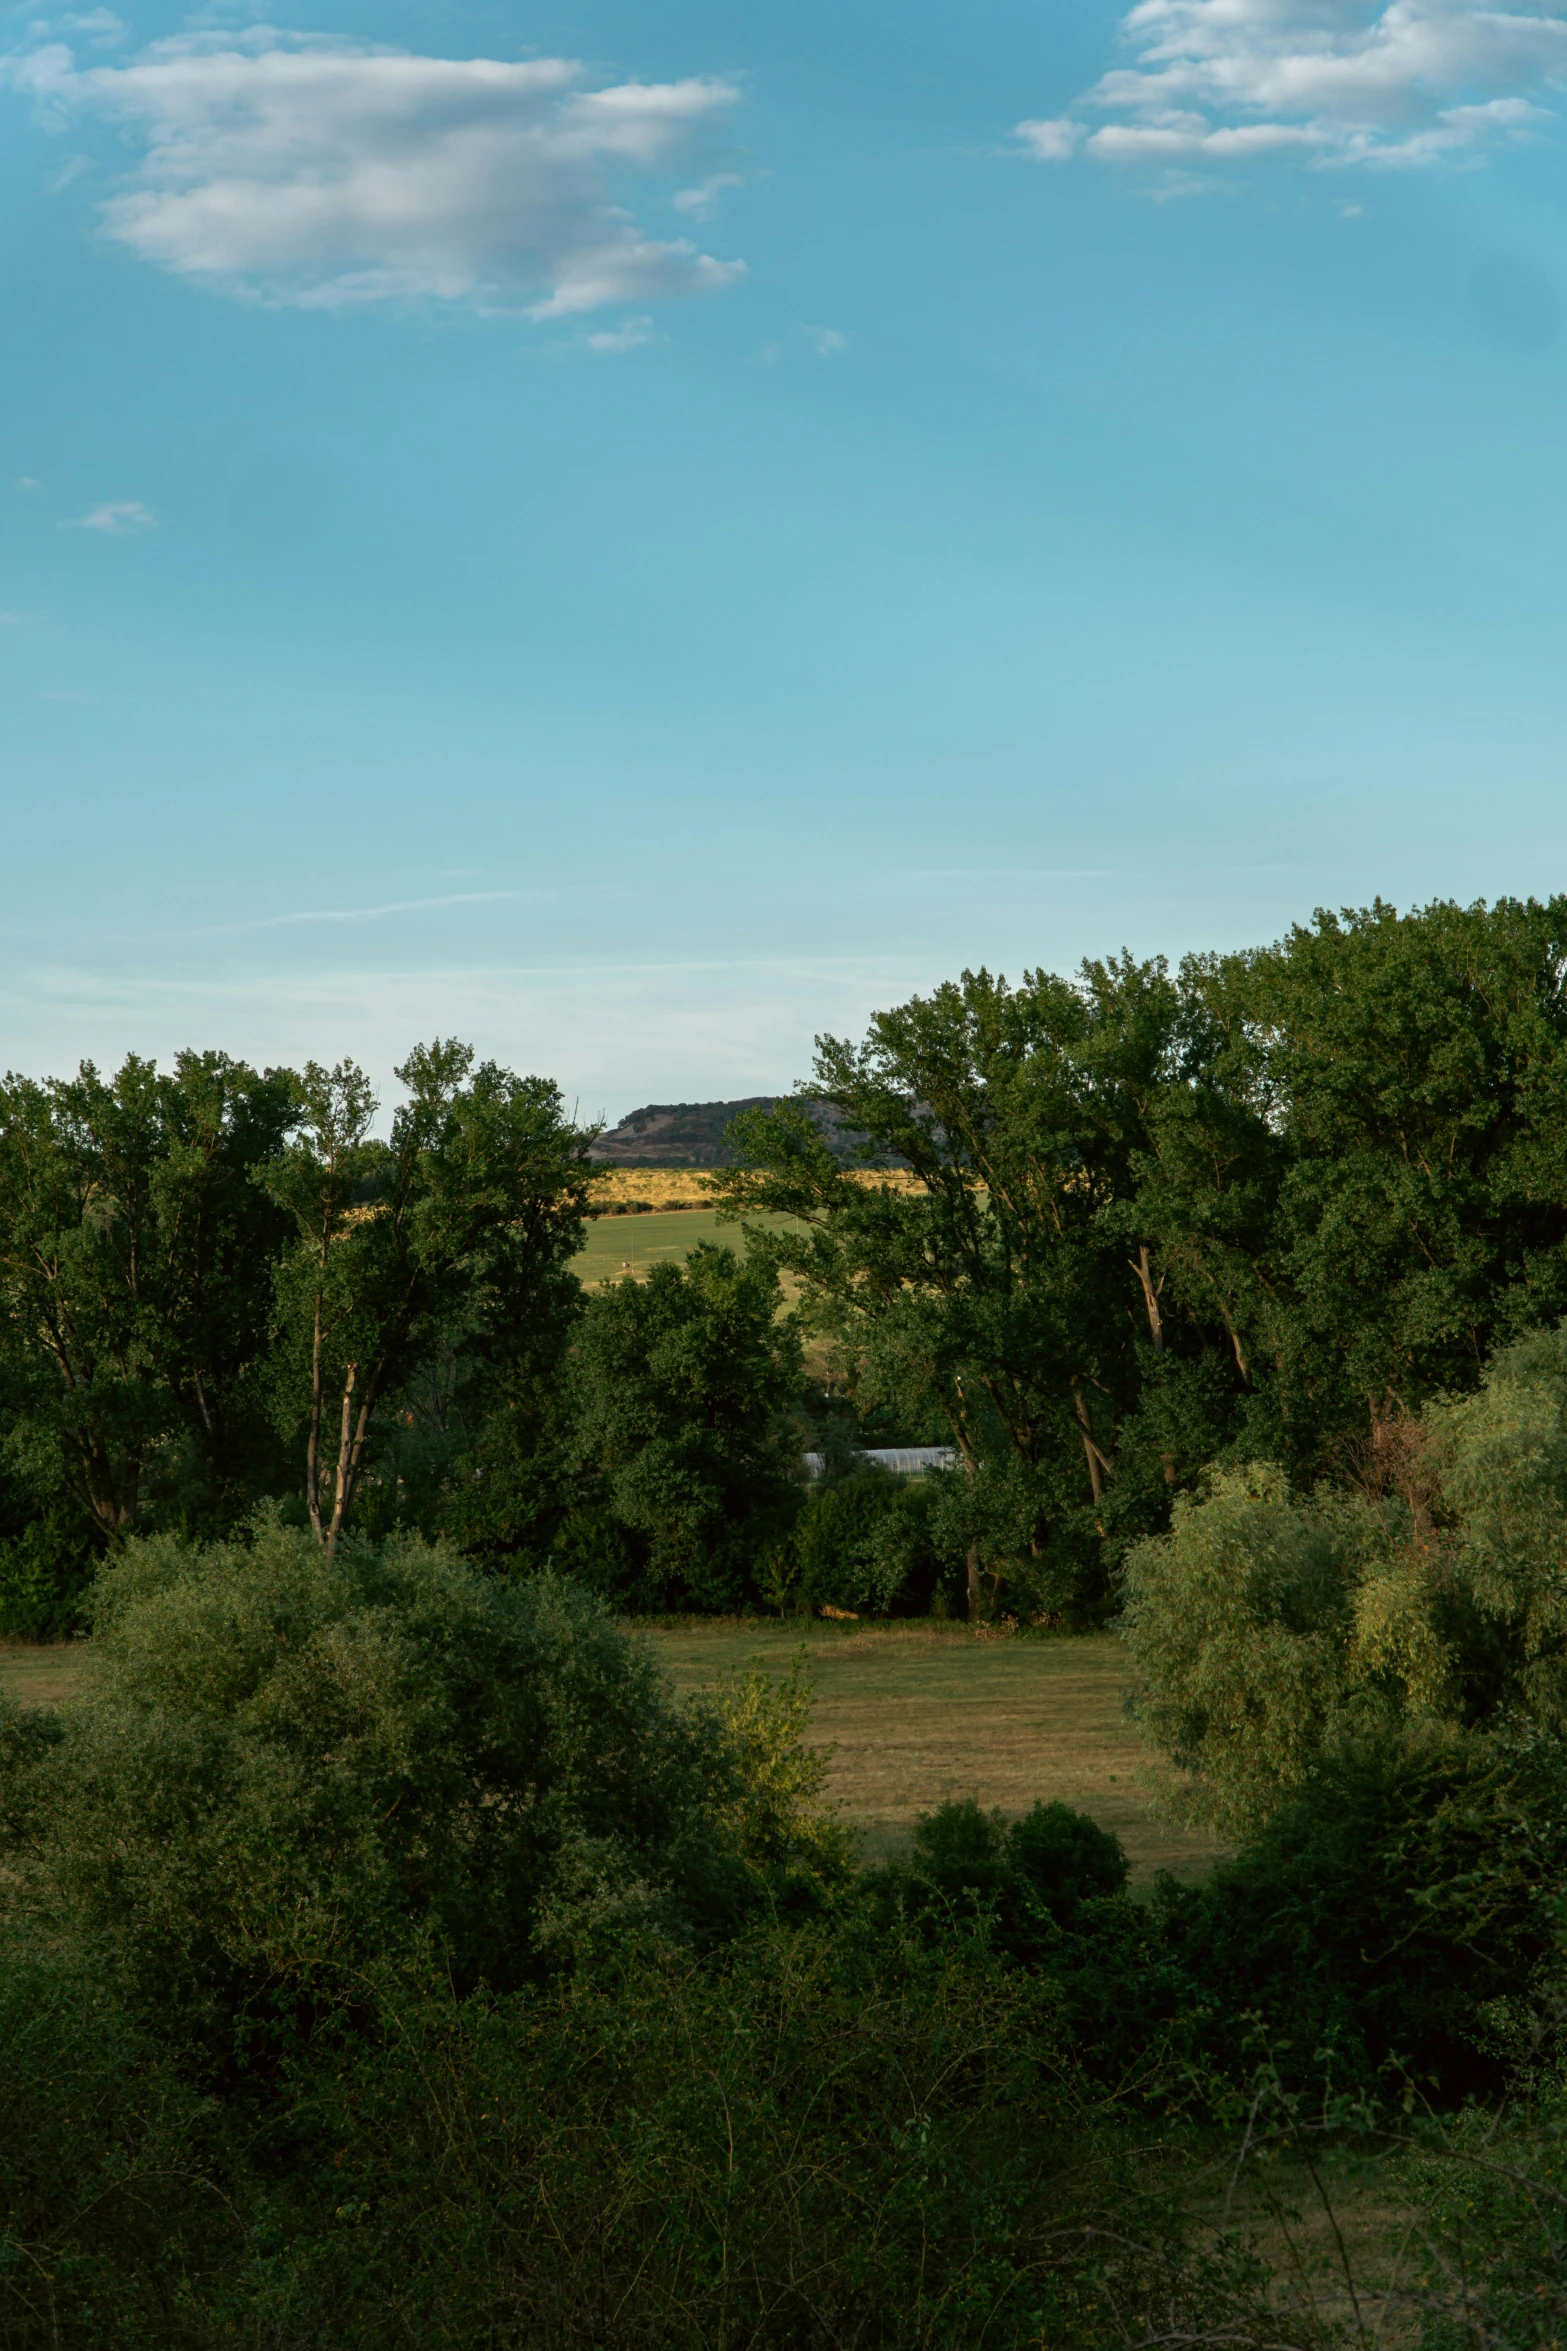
[135,1265]
[1413,1069]
[1011,1287]
[679,1384]
[450,1240]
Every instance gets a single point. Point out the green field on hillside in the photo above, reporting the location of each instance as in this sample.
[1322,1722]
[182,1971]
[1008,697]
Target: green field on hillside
[634,1244]
[914,1713]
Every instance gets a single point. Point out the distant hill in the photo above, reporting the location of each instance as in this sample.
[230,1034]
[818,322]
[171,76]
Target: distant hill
[691,1134]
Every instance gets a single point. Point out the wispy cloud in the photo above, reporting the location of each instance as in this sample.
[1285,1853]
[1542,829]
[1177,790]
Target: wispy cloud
[1407,84]
[702,201]
[614,1033]
[318,173]
[124,519]
[99,25]
[353,914]
[827,342]
[635,333]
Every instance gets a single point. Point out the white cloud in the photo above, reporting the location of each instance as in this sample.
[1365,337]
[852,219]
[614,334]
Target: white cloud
[701,202]
[122,520]
[1050,142]
[827,342]
[1394,83]
[635,333]
[27,481]
[99,25]
[614,1034]
[322,174]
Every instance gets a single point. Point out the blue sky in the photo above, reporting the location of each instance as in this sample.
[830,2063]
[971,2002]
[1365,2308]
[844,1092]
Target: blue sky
[648,547]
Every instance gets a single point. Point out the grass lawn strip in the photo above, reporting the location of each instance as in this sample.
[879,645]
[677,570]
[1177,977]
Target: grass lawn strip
[915,1714]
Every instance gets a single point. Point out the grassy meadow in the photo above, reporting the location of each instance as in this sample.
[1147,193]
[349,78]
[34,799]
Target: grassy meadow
[674,1214]
[914,1714]
[919,1713]
[635,1244]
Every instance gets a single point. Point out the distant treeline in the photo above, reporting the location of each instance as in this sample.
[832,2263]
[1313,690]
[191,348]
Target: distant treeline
[1262,1207]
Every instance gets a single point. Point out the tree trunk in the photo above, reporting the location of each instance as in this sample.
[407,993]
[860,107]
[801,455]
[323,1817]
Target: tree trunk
[1140,1266]
[351,1454]
[341,1480]
[1098,1466]
[313,1448]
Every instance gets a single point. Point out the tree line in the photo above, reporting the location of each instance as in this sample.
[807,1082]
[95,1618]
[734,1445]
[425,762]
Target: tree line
[1261,1207]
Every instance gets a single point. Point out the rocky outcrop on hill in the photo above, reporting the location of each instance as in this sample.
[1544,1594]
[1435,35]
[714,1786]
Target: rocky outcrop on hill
[692,1134]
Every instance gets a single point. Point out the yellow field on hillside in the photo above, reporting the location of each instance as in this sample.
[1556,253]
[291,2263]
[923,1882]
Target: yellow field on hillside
[690,1187]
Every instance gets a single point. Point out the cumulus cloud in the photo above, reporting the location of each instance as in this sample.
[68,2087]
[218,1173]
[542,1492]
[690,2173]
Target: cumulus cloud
[1393,83]
[318,173]
[122,520]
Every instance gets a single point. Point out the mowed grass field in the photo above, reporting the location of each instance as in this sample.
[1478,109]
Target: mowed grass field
[917,1714]
[44,1677]
[914,1714]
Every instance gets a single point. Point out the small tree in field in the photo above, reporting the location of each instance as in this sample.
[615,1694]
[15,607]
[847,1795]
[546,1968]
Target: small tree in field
[453,1226]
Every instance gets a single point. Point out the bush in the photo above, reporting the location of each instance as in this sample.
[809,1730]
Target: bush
[108,2203]
[1023,1890]
[45,1575]
[290,1764]
[1262,1620]
[1238,1623]
[781,2148]
[1395,1915]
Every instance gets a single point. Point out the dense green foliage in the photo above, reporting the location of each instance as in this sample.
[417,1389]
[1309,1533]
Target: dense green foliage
[1433,1595]
[1242,1212]
[293,1762]
[679,1382]
[1131,1228]
[384,1957]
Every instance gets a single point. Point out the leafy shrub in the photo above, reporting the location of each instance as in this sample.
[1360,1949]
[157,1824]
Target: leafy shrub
[108,2202]
[1262,1620]
[1490,2193]
[1237,1621]
[290,1764]
[44,1580]
[1393,1912]
[781,2148]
